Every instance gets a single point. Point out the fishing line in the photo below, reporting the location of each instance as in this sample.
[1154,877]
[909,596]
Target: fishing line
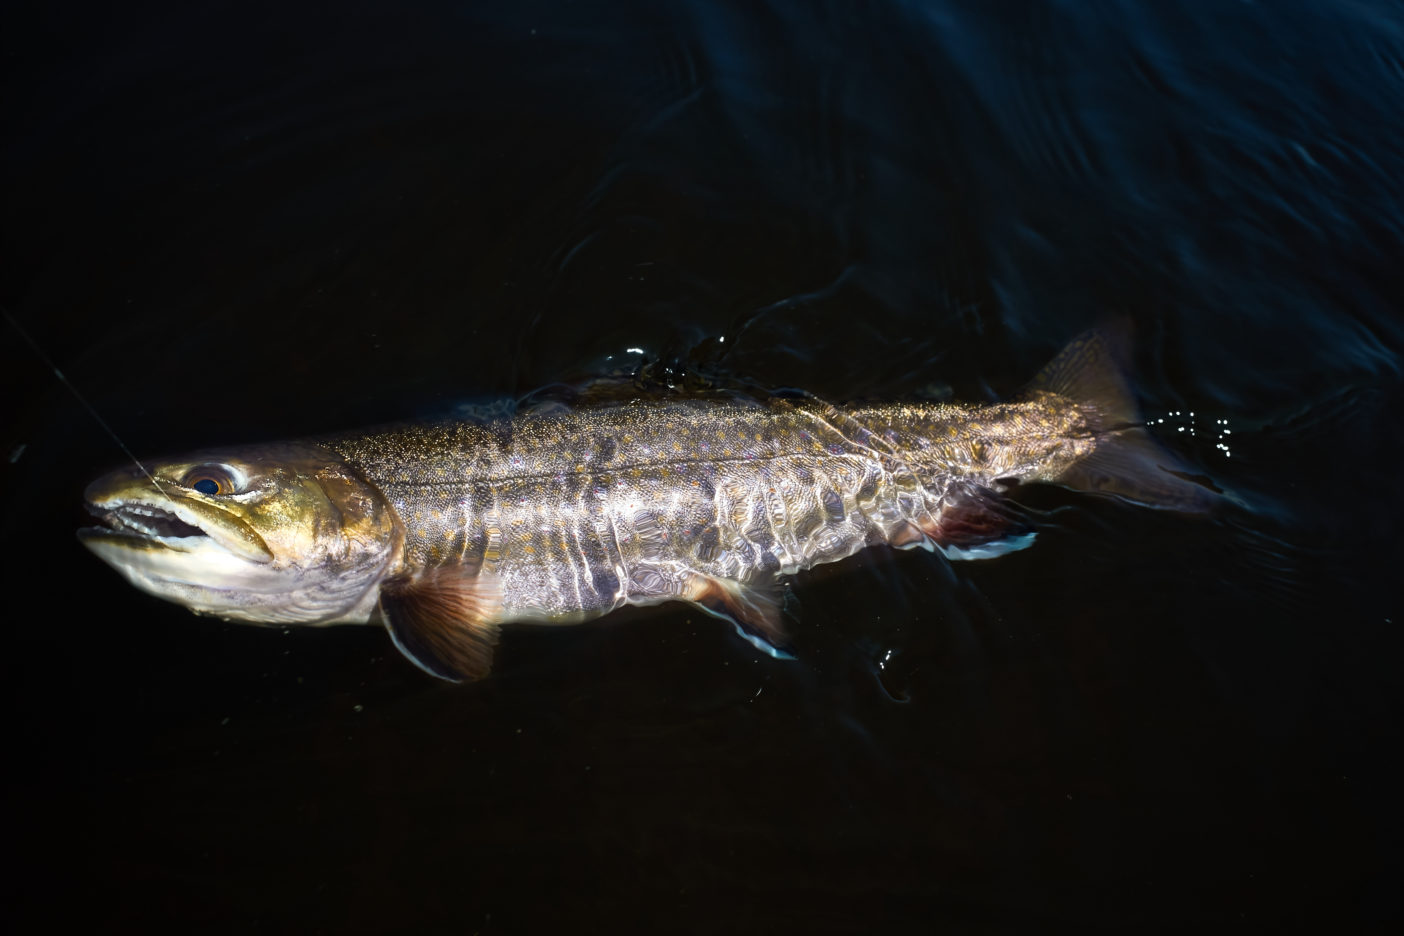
[79,397]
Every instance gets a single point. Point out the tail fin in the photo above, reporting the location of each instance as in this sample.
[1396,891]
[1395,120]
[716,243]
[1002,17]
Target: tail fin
[1127,462]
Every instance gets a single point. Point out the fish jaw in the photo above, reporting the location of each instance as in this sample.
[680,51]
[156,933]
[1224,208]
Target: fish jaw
[201,575]
[139,515]
[197,559]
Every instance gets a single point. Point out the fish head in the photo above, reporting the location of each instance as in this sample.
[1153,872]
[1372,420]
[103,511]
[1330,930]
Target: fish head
[287,533]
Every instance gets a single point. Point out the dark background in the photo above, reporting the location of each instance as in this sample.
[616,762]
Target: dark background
[235,222]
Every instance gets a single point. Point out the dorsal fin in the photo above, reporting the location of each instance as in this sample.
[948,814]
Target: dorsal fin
[444,620]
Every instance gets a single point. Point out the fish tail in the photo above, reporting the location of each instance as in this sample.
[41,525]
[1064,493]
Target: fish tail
[1126,461]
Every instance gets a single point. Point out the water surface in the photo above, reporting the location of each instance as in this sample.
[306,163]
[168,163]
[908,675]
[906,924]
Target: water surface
[230,223]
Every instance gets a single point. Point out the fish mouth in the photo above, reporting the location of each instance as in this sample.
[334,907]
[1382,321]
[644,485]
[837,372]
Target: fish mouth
[149,522]
[143,521]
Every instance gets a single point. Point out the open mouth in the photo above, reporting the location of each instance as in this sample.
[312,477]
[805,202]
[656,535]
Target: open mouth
[131,518]
[143,520]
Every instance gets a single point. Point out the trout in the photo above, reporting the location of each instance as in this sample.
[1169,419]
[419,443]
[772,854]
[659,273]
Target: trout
[443,532]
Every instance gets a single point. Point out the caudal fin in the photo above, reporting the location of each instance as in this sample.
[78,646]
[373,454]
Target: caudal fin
[1126,462]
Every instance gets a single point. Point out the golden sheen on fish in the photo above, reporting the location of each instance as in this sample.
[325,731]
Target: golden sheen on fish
[443,532]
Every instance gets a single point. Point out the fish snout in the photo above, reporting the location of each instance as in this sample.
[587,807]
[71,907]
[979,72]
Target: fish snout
[115,484]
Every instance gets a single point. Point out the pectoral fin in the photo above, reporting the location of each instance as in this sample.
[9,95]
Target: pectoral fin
[444,620]
[754,608]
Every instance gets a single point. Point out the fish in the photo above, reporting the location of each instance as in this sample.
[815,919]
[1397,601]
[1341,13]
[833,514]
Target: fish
[444,531]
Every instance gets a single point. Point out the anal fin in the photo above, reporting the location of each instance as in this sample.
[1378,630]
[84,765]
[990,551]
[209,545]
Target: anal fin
[977,524]
[908,535]
[991,549]
[755,610]
[444,620]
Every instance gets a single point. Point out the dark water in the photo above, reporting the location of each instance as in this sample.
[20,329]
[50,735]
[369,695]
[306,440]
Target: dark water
[233,222]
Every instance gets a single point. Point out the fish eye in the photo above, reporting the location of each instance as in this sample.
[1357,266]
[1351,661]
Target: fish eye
[211,480]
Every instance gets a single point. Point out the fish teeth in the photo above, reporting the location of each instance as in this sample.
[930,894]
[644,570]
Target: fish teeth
[130,521]
[136,517]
